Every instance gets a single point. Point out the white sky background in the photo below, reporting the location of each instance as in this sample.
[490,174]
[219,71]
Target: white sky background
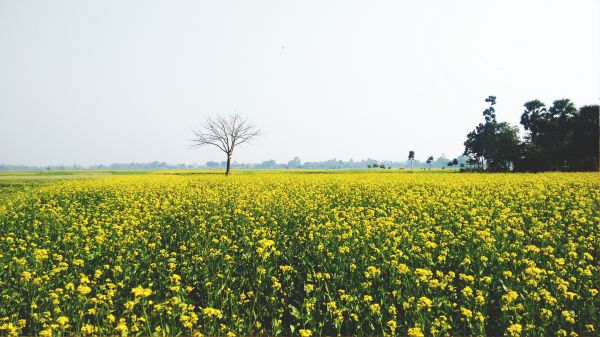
[92,82]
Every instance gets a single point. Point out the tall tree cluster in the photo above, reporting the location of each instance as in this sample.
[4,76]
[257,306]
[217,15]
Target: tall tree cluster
[492,145]
[558,138]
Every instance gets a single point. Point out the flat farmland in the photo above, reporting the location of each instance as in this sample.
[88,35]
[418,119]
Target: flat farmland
[301,253]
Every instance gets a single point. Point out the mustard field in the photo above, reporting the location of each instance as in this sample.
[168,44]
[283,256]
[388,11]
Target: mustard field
[303,254]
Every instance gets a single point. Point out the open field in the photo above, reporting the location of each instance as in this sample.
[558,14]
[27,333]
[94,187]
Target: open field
[300,253]
[12,182]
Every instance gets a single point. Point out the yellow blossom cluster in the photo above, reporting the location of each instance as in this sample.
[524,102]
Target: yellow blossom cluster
[303,254]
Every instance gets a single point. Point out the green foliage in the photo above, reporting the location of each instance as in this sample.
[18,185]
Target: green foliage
[559,138]
[492,142]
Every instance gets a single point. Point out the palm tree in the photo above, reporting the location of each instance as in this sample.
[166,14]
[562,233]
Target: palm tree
[411,158]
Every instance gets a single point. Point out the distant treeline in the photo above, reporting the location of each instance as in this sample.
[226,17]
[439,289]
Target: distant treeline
[559,138]
[155,165]
[295,163]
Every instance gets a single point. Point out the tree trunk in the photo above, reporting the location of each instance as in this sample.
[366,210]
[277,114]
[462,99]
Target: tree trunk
[228,164]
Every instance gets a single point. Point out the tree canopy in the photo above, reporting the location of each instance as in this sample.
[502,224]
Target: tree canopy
[560,137]
[493,144]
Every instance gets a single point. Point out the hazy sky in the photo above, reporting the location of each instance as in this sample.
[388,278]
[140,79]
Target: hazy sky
[121,81]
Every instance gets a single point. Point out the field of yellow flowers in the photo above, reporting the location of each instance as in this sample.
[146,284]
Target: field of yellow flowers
[304,254]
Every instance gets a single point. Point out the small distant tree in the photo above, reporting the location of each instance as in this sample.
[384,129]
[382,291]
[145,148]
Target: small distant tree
[452,163]
[295,163]
[369,166]
[375,165]
[382,166]
[225,133]
[429,160]
[212,164]
[411,158]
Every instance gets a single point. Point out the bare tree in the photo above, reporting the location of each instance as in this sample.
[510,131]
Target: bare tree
[226,133]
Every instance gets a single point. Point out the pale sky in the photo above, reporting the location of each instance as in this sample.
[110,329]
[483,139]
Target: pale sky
[97,82]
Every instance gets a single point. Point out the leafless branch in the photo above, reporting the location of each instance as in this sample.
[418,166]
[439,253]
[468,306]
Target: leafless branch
[225,133]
